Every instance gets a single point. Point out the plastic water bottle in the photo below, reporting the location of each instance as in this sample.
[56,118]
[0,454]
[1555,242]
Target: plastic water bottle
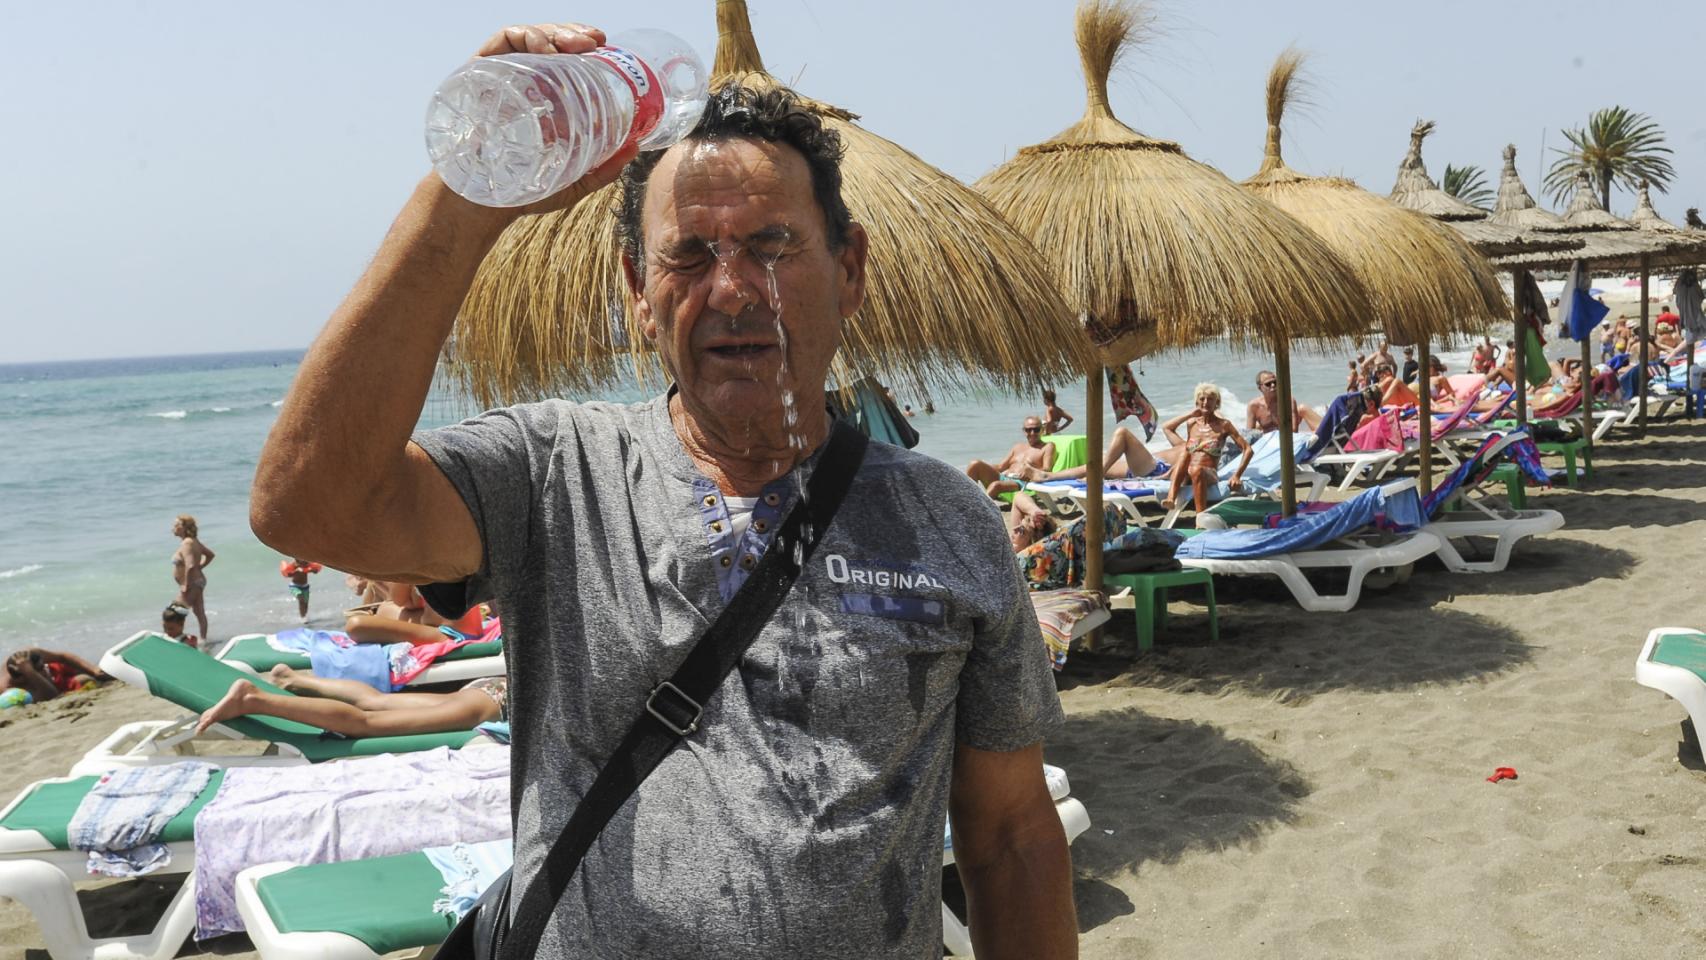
[509,130]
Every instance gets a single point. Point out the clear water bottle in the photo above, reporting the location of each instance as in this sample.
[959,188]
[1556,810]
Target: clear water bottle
[510,130]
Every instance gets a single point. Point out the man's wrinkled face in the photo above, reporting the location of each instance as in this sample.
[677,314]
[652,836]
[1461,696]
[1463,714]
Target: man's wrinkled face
[740,290]
[1032,428]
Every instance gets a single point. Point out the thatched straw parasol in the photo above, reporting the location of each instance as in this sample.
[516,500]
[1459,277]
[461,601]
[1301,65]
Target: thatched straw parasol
[1423,280]
[1156,249]
[955,295]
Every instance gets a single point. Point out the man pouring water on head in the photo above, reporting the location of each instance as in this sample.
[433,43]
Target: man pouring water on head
[900,680]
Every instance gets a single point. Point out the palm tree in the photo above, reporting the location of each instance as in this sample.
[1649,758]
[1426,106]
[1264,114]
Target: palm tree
[1618,145]
[1468,184]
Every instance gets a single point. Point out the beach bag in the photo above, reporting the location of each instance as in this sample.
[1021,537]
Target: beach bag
[505,924]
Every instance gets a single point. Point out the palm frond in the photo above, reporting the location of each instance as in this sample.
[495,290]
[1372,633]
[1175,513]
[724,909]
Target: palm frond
[1617,146]
[1468,184]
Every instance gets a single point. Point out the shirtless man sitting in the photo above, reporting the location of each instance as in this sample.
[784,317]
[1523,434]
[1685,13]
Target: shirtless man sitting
[1205,432]
[1259,414]
[1008,475]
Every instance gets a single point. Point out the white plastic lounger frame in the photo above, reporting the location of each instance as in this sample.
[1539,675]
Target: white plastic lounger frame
[271,944]
[42,879]
[1124,503]
[1373,463]
[1683,686]
[1483,516]
[1357,556]
[442,671]
[1505,531]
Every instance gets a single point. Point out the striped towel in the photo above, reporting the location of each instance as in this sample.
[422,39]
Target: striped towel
[1058,611]
[120,820]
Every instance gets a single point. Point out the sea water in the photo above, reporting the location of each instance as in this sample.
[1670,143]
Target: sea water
[98,457]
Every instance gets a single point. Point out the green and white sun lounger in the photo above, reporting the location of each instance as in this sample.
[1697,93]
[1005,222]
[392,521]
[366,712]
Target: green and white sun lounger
[255,653]
[196,681]
[365,909]
[39,870]
[1673,661]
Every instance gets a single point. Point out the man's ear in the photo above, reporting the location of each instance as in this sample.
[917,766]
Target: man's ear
[637,290]
[852,261]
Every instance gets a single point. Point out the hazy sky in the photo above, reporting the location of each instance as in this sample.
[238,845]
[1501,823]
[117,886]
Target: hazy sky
[187,177]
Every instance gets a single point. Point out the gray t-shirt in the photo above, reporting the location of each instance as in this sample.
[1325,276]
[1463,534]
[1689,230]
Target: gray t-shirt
[805,817]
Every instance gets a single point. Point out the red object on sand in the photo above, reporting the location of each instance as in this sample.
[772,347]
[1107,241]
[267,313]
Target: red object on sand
[1502,773]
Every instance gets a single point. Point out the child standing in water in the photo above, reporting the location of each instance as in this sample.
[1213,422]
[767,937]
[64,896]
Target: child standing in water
[188,566]
[296,570]
[1199,460]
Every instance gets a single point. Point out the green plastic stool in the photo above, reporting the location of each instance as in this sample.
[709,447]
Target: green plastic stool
[1511,476]
[1569,449]
[1149,593]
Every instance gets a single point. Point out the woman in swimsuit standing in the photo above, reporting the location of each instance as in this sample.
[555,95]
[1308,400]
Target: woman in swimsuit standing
[1205,433]
[188,564]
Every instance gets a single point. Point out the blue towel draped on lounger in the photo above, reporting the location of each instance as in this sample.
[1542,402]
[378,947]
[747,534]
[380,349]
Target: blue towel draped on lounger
[1401,509]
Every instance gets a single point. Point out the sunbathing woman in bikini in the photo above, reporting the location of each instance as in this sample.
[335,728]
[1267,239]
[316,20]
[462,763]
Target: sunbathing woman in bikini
[354,709]
[1205,432]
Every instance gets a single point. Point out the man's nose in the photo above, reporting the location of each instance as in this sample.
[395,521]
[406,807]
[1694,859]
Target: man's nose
[731,292]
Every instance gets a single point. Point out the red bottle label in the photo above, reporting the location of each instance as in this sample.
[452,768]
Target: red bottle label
[648,94]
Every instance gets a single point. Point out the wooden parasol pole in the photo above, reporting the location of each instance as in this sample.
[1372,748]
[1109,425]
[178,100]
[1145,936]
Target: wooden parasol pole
[1425,417]
[1641,378]
[1288,449]
[1520,277]
[1587,395]
[1093,480]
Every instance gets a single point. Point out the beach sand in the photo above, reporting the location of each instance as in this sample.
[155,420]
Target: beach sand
[1314,785]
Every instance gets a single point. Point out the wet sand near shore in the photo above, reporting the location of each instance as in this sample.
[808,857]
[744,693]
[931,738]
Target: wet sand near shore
[1314,785]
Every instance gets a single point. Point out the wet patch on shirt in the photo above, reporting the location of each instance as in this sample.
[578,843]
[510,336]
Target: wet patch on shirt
[914,609]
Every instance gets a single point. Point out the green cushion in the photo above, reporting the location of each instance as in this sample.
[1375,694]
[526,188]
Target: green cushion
[195,681]
[1685,650]
[1244,511]
[49,807]
[262,656]
[385,902]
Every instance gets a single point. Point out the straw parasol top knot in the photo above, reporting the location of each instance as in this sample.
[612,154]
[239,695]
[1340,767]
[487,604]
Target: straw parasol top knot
[1415,190]
[1691,217]
[1106,30]
[1515,206]
[1155,249]
[1586,212]
[1423,281]
[1648,218]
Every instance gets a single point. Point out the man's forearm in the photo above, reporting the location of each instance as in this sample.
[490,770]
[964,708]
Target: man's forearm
[1020,904]
[357,397]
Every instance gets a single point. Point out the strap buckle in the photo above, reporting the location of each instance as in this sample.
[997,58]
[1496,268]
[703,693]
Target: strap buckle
[678,712]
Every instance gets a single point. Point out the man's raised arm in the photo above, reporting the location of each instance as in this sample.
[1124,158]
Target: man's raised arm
[338,480]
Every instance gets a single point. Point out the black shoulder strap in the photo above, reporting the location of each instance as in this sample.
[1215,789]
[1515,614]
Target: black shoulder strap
[673,708]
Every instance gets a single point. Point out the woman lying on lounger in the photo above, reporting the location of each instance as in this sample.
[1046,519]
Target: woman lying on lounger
[1126,457]
[355,709]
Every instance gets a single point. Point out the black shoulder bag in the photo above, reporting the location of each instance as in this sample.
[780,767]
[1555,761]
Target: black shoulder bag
[502,927]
